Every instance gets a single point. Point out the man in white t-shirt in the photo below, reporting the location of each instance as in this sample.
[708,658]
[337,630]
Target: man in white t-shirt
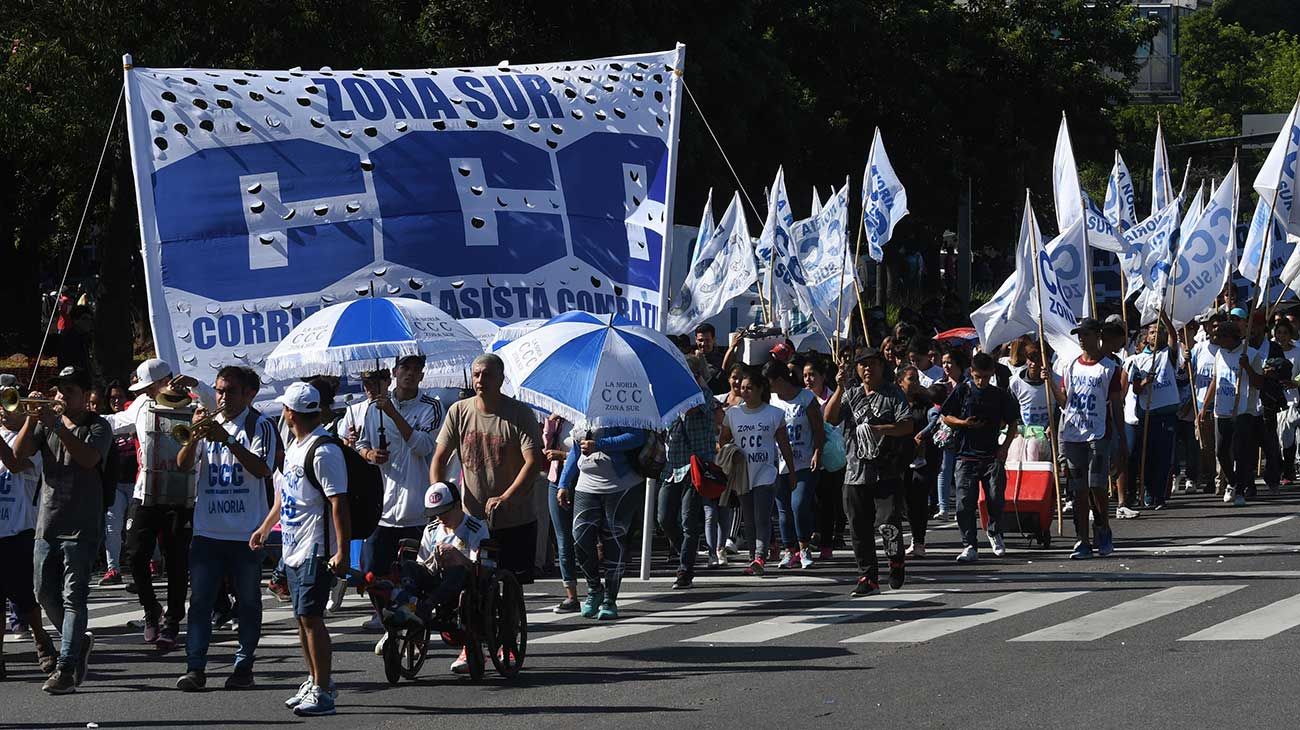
[235,459]
[167,525]
[921,356]
[315,523]
[19,483]
[1152,377]
[1234,392]
[1203,357]
[396,431]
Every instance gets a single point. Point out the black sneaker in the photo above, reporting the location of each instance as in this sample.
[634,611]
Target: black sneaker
[241,679]
[865,587]
[167,637]
[47,655]
[83,659]
[61,682]
[897,573]
[568,605]
[683,580]
[221,620]
[192,681]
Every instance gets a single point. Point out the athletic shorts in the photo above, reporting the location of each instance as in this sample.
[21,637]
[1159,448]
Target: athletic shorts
[309,586]
[16,561]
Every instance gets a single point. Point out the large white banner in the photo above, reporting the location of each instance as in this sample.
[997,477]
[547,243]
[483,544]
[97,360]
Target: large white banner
[509,192]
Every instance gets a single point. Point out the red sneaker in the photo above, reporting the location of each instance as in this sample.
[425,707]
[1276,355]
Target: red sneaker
[825,554]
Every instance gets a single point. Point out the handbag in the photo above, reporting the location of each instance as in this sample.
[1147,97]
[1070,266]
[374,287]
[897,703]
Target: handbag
[707,478]
[833,456]
[944,436]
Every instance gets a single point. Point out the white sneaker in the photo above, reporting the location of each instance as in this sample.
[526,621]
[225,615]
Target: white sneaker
[1239,500]
[805,558]
[731,548]
[1188,486]
[916,550]
[1124,513]
[942,516]
[722,557]
[713,559]
[969,555]
[379,645]
[336,596]
[789,559]
[1228,495]
[998,544]
[304,689]
[1068,508]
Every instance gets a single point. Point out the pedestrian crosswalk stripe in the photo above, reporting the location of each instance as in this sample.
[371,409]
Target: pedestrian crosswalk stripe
[780,627]
[1261,623]
[1129,614]
[692,613]
[960,619]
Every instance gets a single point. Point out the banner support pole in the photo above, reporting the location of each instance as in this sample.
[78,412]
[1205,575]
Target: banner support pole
[1047,375]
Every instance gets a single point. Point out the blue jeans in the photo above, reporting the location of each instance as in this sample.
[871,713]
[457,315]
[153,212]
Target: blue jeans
[971,473]
[717,525]
[607,517]
[210,562]
[62,569]
[562,523]
[796,512]
[756,514]
[947,480]
[1159,449]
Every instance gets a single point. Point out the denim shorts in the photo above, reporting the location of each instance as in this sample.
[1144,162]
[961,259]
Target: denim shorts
[309,586]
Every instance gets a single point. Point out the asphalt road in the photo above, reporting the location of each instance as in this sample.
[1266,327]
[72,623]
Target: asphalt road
[1192,623]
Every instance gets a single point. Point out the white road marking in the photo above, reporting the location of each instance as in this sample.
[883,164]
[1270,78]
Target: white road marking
[689,614]
[1126,615]
[960,619]
[1261,623]
[779,627]
[1247,531]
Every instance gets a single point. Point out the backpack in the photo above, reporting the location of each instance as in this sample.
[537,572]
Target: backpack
[365,486]
[649,460]
[250,427]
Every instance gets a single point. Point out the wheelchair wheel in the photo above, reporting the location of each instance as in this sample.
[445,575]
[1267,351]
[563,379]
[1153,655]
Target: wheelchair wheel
[392,657]
[507,619]
[470,632]
[414,646]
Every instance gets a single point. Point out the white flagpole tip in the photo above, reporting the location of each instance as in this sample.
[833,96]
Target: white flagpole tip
[127,62]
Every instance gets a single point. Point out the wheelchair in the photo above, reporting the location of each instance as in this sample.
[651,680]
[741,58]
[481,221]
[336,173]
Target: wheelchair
[489,614]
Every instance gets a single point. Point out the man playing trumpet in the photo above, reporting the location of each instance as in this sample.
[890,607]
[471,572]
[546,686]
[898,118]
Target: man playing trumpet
[155,511]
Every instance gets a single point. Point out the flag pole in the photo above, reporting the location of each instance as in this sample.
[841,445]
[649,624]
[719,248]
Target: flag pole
[1160,324]
[839,298]
[1047,375]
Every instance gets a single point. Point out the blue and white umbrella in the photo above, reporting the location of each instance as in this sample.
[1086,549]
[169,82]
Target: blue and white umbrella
[514,331]
[484,329]
[351,338]
[602,371]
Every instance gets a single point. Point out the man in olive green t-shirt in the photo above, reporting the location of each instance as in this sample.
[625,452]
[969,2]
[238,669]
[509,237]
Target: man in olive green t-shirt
[498,440]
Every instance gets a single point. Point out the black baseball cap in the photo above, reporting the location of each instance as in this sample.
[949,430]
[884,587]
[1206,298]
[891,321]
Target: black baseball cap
[867,353]
[1088,324]
[405,359]
[74,375]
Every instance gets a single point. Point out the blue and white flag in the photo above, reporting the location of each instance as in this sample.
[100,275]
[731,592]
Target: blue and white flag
[816,203]
[1066,192]
[1015,309]
[1162,186]
[1102,234]
[784,276]
[505,192]
[884,199]
[1119,208]
[723,271]
[824,253]
[707,226]
[1157,263]
[1278,176]
[1201,267]
[1068,253]
[1254,265]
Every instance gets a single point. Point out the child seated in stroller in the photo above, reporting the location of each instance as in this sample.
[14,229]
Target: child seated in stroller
[431,584]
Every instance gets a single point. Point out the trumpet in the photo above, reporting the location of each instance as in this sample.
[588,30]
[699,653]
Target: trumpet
[13,402]
[183,433]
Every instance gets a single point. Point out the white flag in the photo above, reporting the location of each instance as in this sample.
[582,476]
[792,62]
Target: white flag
[824,254]
[1203,258]
[1162,187]
[1065,180]
[725,270]
[884,199]
[706,229]
[816,204]
[1158,261]
[1279,173]
[1119,206]
[784,277]
[1068,252]
[1193,213]
[1102,234]
[1253,264]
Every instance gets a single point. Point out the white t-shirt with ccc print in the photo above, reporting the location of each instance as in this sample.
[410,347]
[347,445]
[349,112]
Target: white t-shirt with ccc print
[304,523]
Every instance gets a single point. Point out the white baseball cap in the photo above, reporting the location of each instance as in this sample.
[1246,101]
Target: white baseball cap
[439,498]
[151,371]
[300,398]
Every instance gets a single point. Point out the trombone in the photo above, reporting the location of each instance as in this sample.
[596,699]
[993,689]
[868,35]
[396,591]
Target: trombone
[183,433]
[13,402]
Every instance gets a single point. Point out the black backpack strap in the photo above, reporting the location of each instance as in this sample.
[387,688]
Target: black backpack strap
[309,468]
